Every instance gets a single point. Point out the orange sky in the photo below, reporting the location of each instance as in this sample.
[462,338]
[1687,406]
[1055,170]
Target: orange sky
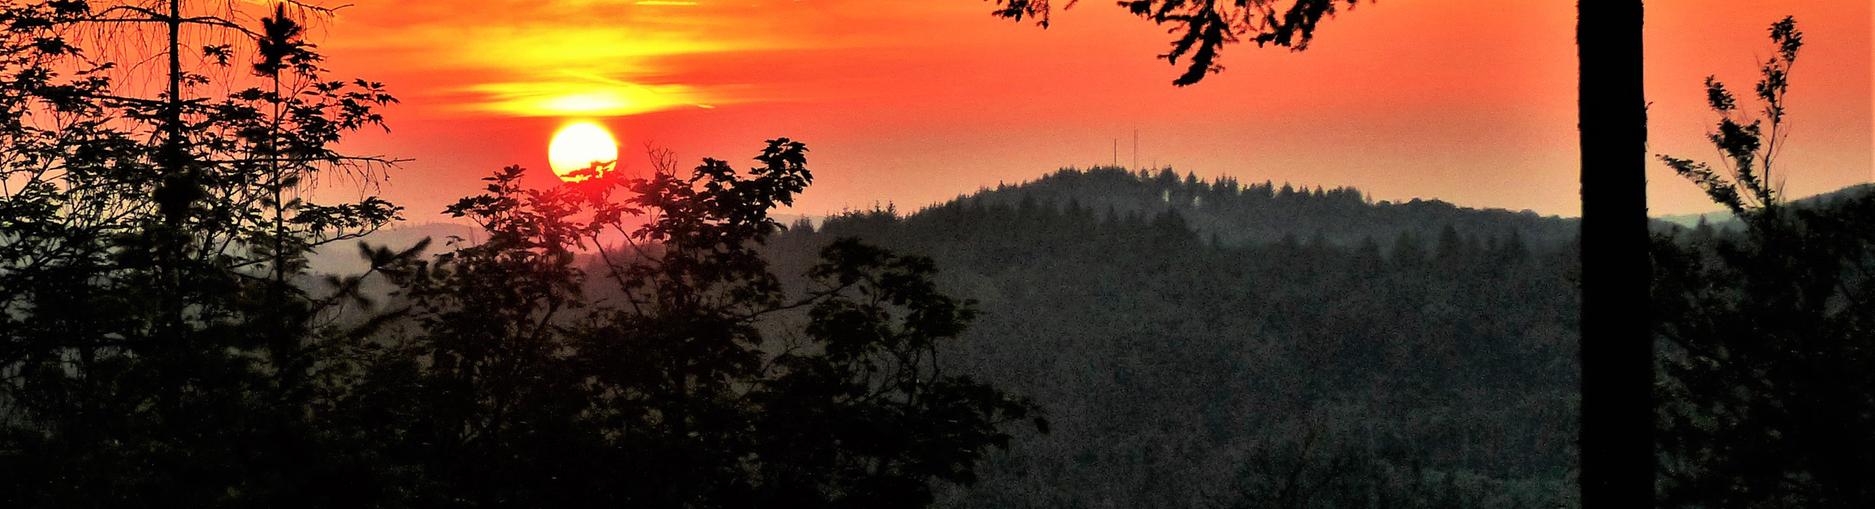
[914,102]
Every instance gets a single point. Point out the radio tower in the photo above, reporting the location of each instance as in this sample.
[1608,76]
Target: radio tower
[1135,149]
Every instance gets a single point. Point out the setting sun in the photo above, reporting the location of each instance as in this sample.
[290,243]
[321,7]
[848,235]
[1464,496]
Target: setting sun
[578,146]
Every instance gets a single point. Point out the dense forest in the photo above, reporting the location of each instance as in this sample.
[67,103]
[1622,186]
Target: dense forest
[1421,355]
[1417,354]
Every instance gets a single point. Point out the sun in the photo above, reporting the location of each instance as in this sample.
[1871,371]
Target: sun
[578,145]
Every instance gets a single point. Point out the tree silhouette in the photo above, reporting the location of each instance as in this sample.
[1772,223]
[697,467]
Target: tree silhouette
[1767,372]
[1204,27]
[1617,349]
[677,372]
[156,348]
[1746,183]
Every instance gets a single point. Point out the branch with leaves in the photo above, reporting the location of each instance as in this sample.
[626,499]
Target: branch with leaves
[1202,28]
[1744,182]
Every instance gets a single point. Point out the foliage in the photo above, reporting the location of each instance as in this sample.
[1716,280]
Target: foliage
[521,382]
[1203,27]
[1767,375]
[162,342]
[1749,148]
[145,352]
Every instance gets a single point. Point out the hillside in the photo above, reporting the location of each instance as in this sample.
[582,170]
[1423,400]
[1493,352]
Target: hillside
[1222,210]
[1724,219]
[1197,346]
[1241,214]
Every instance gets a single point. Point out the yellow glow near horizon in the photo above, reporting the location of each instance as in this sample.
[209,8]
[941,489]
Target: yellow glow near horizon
[578,145]
[587,99]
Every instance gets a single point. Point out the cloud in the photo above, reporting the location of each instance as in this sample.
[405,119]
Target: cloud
[582,97]
[601,57]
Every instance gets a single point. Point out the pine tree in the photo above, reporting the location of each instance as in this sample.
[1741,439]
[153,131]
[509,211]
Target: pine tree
[151,257]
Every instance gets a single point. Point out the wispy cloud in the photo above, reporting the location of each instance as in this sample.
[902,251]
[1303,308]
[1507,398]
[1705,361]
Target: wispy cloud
[583,97]
[598,57]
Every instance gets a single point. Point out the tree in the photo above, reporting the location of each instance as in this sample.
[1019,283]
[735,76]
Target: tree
[1766,386]
[1617,347]
[675,371]
[1768,364]
[1747,187]
[154,341]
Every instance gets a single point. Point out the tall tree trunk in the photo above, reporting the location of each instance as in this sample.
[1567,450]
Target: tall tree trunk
[1617,348]
[174,202]
[172,197]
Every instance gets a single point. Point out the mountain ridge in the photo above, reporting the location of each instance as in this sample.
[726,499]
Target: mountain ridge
[1240,214]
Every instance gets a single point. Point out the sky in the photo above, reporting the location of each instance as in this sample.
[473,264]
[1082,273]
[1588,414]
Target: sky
[916,102]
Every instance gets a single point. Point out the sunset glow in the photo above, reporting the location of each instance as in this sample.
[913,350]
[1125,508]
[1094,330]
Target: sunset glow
[581,97]
[914,102]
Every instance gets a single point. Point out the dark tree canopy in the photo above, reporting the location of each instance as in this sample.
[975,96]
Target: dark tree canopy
[673,370]
[155,344]
[1766,397]
[1304,358]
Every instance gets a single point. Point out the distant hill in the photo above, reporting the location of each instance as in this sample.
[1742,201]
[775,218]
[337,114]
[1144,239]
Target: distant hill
[1721,219]
[1222,209]
[1238,214]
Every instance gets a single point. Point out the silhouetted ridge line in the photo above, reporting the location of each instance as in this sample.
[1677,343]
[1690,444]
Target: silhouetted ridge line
[1231,212]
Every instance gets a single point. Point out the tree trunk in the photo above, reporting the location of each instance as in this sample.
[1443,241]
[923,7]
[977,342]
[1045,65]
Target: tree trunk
[1617,462]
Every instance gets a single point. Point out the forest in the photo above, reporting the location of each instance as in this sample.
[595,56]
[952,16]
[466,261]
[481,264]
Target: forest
[1423,359]
[177,328]
[1431,367]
